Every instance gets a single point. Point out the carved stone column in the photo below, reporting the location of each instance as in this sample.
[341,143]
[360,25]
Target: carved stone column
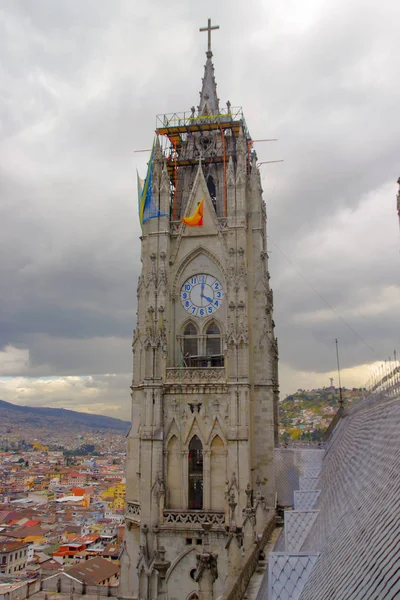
[185,468]
[207,573]
[207,479]
[206,567]
[161,565]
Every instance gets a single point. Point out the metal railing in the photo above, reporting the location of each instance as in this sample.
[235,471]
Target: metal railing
[188,118]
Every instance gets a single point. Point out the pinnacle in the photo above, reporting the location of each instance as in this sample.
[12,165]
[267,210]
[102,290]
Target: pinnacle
[209,103]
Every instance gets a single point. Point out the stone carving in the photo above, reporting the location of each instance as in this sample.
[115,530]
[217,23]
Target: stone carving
[133,510]
[237,335]
[195,375]
[143,556]
[136,337]
[159,488]
[194,517]
[195,407]
[249,496]
[161,565]
[232,506]
[232,486]
[207,561]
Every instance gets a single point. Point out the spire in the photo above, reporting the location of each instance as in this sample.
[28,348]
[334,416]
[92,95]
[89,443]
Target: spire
[209,102]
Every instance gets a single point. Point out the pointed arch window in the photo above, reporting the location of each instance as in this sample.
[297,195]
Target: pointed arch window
[190,344]
[214,345]
[195,467]
[212,190]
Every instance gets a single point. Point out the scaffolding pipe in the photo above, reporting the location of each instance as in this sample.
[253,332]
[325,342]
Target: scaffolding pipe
[224,151]
[175,177]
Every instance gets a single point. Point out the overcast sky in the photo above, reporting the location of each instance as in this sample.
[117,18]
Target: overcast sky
[81,85]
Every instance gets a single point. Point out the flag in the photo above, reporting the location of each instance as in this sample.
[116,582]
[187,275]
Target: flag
[147,207]
[197,217]
[140,183]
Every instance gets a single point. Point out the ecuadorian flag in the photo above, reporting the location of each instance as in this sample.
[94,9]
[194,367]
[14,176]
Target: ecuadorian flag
[147,207]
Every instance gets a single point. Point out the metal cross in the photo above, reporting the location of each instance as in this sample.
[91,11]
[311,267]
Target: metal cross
[209,28]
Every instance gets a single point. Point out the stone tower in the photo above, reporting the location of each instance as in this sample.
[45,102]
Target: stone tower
[205,376]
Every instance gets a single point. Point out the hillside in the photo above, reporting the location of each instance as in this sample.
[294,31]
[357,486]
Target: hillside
[306,414]
[51,418]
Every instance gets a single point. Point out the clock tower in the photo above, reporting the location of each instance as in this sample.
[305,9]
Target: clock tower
[205,376]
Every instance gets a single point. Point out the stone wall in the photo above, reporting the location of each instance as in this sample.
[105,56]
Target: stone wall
[237,588]
[25,590]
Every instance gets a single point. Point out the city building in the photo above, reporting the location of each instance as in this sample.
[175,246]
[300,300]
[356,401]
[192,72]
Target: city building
[13,557]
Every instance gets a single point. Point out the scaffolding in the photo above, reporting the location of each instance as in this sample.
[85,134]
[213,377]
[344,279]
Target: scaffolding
[179,128]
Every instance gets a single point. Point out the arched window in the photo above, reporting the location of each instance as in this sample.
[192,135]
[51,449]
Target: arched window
[217,474]
[195,474]
[212,190]
[173,474]
[214,345]
[190,346]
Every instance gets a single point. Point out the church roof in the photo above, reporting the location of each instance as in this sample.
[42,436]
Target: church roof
[353,528]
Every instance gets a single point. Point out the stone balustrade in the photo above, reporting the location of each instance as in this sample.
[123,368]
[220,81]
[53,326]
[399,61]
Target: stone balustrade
[133,511]
[196,375]
[193,517]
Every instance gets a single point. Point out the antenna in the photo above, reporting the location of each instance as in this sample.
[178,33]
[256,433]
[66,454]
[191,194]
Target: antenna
[338,369]
[331,380]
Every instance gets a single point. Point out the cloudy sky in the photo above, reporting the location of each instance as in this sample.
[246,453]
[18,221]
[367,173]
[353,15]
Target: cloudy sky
[81,84]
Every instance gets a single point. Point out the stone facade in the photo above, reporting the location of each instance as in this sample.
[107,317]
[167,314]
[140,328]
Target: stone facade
[205,387]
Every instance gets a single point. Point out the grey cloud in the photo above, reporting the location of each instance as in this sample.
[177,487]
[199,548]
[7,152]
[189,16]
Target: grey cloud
[82,84]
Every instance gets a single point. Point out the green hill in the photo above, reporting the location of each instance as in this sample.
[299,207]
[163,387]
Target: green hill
[58,417]
[306,414]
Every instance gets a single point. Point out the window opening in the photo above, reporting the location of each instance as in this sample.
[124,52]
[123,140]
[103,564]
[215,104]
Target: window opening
[214,345]
[195,474]
[212,190]
[190,344]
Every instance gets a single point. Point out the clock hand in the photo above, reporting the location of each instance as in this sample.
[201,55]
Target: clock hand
[207,298]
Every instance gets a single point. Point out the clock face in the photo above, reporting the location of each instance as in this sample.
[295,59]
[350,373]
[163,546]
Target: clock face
[202,295]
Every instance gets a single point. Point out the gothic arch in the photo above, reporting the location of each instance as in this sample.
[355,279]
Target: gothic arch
[193,429]
[189,343]
[218,458]
[173,473]
[188,259]
[172,430]
[217,433]
[178,560]
[212,319]
[195,468]
[212,189]
[189,321]
[213,341]
[193,596]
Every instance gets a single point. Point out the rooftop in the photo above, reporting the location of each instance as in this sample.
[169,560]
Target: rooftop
[342,538]
[94,571]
